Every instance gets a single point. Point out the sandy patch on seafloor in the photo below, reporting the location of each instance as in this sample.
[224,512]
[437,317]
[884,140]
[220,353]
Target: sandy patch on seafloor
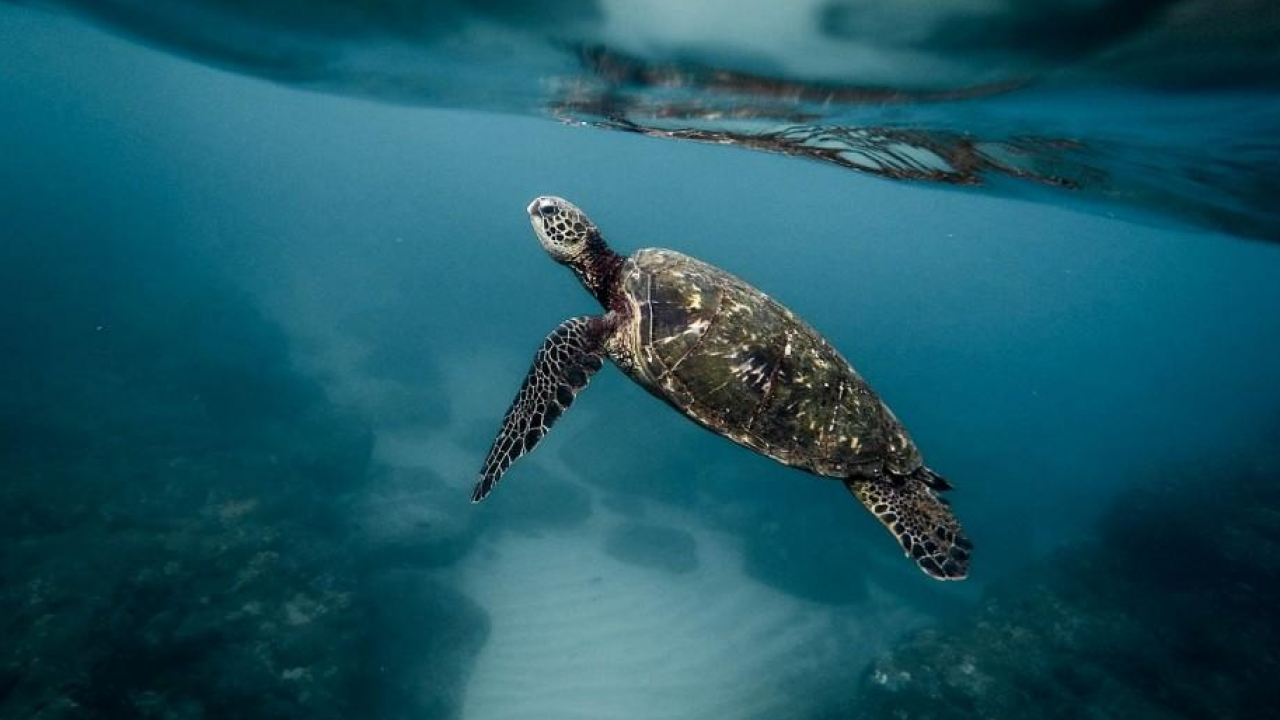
[577,633]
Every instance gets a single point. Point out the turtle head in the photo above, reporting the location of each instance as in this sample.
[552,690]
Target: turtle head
[571,239]
[566,233]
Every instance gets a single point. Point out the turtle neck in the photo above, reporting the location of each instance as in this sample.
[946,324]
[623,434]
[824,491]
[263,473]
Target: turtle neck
[597,268]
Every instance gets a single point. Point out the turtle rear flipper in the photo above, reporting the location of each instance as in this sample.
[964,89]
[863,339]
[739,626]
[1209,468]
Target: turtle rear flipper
[921,521]
[570,355]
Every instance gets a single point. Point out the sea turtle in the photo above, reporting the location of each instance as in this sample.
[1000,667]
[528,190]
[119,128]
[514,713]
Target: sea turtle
[736,362]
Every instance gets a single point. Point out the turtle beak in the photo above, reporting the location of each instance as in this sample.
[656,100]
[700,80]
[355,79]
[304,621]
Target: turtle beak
[533,206]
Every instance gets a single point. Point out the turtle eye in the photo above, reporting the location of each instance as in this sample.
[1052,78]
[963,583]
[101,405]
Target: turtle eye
[548,210]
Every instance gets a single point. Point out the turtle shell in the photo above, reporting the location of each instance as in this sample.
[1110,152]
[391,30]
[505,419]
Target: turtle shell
[742,365]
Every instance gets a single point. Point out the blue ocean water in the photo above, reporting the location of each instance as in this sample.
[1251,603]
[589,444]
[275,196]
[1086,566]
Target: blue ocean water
[269,286]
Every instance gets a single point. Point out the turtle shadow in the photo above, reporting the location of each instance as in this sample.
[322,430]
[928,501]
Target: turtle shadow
[653,546]
[799,534]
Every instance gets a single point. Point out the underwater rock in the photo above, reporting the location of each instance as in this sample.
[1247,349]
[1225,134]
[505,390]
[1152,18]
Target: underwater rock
[1168,614]
[653,546]
[177,541]
[420,638]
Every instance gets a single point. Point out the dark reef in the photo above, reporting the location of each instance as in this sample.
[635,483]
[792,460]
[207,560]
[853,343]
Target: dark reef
[1168,613]
[175,541]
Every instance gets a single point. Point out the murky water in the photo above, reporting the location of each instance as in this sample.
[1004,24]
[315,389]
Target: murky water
[260,326]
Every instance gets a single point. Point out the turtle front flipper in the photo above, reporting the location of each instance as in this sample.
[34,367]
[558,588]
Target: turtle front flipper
[570,355]
[921,521]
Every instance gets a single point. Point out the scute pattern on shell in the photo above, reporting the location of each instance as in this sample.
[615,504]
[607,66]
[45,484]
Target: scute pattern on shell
[564,364]
[745,367]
